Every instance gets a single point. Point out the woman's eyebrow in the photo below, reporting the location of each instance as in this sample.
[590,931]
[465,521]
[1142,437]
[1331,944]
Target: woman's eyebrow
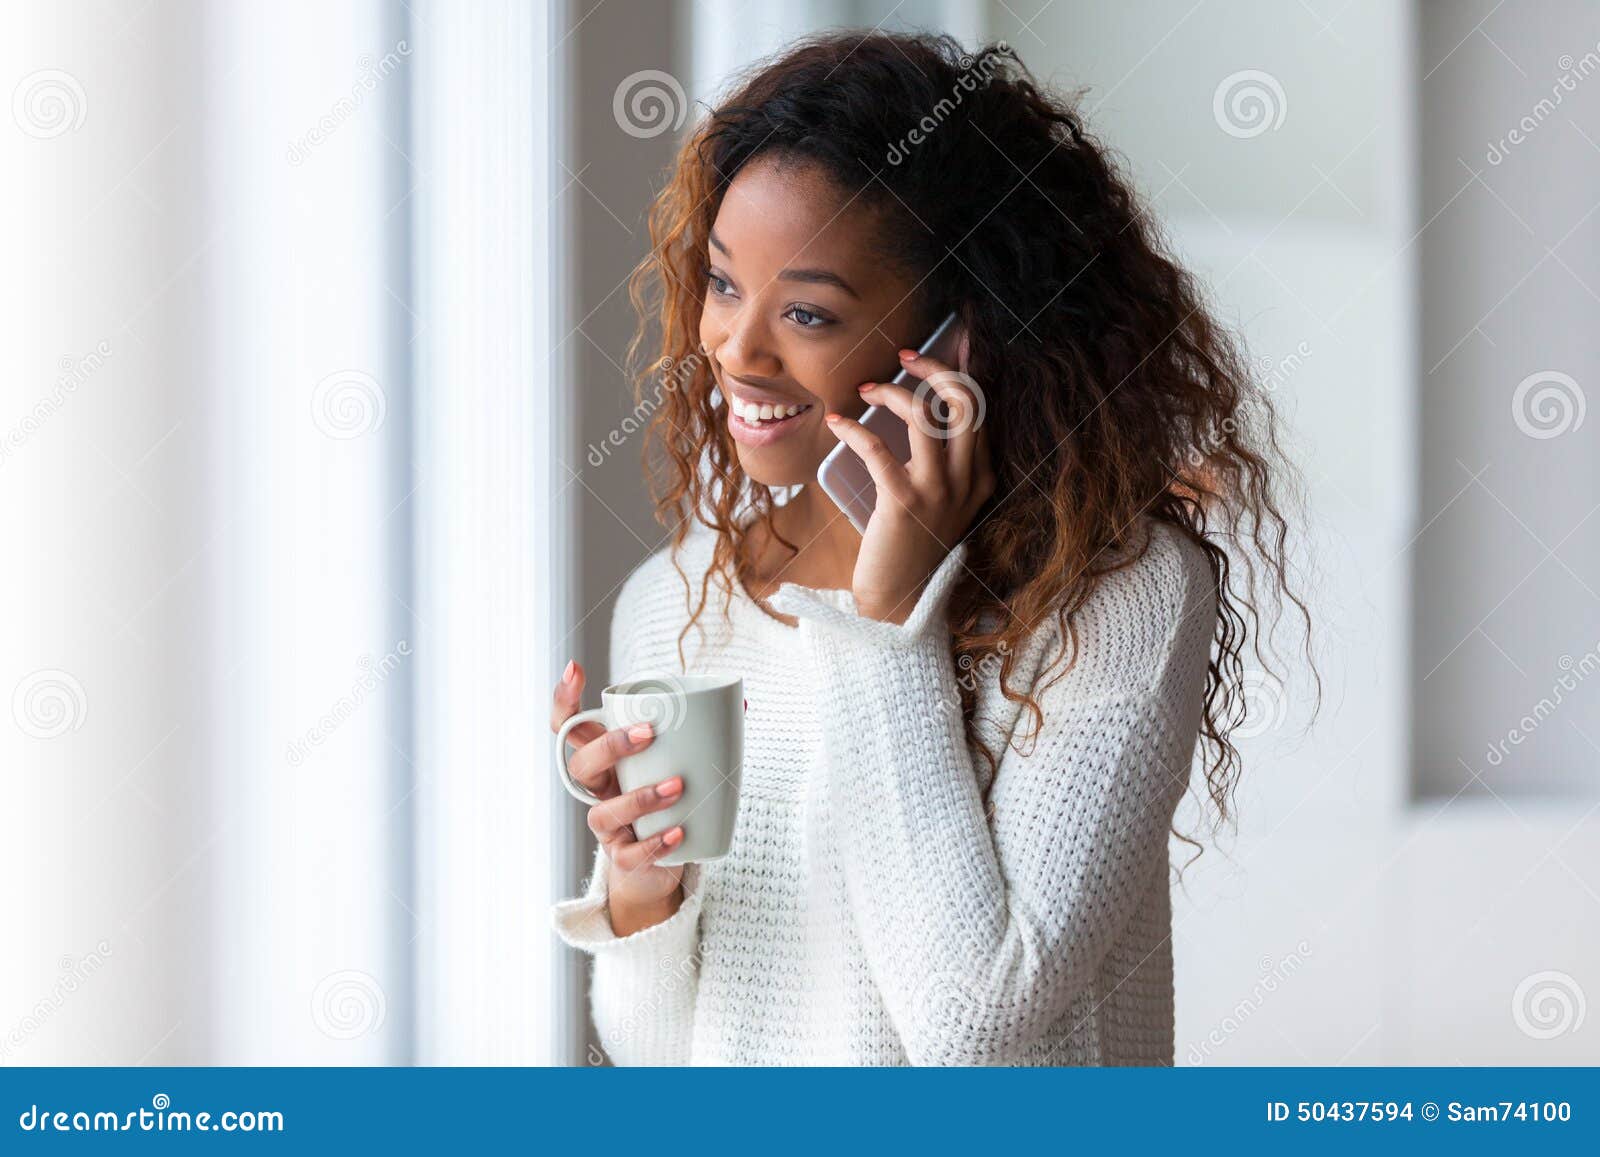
[818,277]
[810,276]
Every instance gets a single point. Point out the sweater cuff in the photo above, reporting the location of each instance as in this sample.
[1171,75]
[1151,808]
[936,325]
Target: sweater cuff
[926,618]
[585,922]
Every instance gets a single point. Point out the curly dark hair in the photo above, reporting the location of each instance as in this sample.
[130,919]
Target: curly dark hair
[1111,392]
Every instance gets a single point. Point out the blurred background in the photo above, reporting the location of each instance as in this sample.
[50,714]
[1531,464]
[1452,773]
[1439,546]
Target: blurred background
[318,461]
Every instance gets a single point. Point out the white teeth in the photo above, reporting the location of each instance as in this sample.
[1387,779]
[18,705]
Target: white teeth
[755,413]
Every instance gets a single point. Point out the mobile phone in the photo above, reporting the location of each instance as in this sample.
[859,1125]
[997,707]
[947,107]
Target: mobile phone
[843,476]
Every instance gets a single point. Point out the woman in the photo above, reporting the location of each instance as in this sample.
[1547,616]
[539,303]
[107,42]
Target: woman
[969,727]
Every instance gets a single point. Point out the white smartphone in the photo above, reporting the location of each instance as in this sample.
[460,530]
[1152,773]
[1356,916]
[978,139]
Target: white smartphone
[843,476]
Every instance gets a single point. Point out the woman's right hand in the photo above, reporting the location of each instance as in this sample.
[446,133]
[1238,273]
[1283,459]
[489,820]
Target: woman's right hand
[642,892]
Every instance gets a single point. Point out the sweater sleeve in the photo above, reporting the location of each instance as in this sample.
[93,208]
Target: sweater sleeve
[642,991]
[981,931]
[642,988]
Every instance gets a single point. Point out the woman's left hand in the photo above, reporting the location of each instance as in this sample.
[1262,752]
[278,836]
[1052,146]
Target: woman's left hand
[925,506]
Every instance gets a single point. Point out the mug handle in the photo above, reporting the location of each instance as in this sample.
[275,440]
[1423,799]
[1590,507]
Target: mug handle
[593,715]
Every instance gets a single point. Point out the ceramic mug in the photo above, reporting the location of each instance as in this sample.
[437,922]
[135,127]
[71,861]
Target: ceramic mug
[698,725]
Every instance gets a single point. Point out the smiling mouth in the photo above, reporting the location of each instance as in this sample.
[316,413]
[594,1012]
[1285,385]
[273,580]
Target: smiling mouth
[765,414]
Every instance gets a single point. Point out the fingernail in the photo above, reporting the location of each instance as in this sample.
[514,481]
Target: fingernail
[865,386]
[572,669]
[830,418]
[673,837]
[907,355]
[639,732]
[669,787]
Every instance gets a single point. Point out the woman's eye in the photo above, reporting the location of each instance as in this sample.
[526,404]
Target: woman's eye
[719,285]
[805,318]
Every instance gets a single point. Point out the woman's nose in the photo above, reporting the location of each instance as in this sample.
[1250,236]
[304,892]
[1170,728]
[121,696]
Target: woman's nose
[745,348]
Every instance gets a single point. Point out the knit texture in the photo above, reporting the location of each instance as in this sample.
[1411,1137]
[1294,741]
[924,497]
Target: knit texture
[873,910]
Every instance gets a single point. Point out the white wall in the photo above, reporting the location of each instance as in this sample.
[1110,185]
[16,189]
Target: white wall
[277,641]
[1509,576]
[494,554]
[102,481]
[1347,923]
[304,410]
[207,520]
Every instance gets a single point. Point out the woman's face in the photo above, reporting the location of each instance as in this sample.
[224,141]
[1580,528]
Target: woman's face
[798,313]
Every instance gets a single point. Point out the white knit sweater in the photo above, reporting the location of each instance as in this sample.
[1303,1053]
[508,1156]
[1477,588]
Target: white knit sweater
[872,910]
